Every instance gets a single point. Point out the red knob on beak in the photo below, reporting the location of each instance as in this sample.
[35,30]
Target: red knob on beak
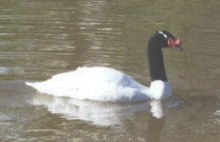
[174,42]
[177,42]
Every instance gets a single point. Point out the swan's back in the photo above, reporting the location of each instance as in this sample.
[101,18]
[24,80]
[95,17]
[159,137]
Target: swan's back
[95,83]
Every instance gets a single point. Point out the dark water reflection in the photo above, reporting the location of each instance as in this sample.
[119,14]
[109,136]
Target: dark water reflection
[41,38]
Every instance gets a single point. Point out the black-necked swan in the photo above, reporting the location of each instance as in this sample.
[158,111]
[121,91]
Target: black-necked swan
[107,84]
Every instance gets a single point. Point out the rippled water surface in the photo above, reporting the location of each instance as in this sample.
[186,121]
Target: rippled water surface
[41,38]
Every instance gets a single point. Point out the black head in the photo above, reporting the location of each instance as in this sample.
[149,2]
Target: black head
[168,40]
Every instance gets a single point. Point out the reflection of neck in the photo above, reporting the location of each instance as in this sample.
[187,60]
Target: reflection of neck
[155,58]
[158,109]
[155,128]
[156,120]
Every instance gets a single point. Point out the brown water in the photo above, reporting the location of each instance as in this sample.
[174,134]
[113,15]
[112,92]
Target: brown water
[41,38]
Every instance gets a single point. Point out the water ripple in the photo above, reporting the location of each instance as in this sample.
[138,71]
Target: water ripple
[217,117]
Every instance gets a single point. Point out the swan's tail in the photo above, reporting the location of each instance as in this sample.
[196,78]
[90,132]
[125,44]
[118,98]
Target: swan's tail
[34,85]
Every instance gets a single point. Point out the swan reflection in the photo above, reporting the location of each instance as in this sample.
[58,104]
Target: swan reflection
[99,113]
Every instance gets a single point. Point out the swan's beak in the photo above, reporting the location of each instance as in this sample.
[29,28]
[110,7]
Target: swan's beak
[175,43]
[179,48]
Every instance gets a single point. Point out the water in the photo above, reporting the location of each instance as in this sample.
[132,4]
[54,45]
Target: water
[41,38]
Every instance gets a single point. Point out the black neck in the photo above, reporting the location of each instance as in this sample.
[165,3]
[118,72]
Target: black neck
[155,58]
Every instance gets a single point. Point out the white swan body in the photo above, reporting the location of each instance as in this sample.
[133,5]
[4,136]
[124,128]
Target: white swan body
[101,84]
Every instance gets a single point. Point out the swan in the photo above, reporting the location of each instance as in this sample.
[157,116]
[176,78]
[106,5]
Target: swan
[109,85]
